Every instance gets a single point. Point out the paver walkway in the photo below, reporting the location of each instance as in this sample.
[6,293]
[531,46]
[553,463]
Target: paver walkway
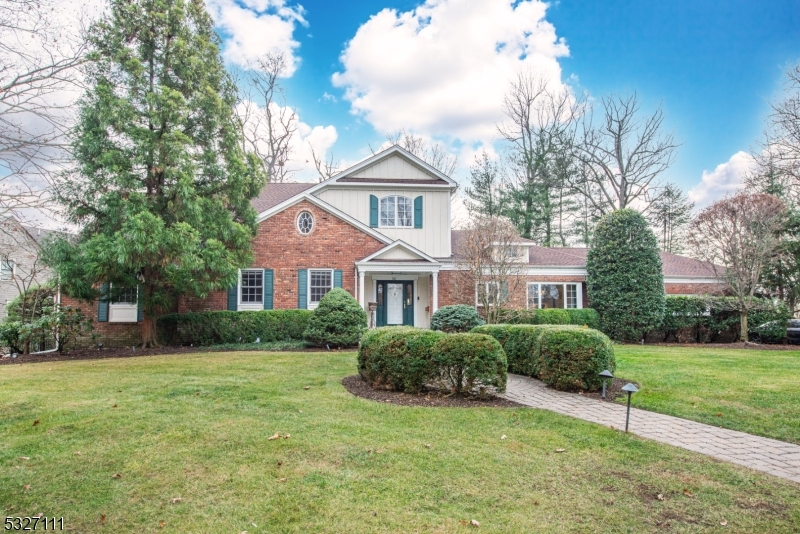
[764,454]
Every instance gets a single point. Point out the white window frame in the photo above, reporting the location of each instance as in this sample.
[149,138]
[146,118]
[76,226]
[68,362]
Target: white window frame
[486,285]
[578,294]
[396,211]
[123,312]
[297,222]
[7,266]
[244,306]
[313,305]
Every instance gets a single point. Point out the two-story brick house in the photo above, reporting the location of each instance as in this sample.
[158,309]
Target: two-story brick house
[382,230]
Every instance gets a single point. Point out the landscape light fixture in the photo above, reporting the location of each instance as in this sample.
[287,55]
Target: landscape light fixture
[629,389]
[604,375]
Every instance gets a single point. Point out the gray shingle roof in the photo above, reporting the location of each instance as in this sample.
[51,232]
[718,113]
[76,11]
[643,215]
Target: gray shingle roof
[274,194]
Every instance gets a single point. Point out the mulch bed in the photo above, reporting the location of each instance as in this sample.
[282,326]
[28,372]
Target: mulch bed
[613,390]
[355,385]
[739,345]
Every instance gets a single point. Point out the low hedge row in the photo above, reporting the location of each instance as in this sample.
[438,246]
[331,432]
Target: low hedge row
[407,359]
[217,327]
[566,357]
[578,317]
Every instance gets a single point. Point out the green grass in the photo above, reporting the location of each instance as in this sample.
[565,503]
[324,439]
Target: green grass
[197,426]
[755,391]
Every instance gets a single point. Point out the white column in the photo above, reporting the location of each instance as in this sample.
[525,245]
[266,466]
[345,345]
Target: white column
[361,298]
[435,292]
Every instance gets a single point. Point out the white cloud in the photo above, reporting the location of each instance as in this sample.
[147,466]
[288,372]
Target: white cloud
[726,178]
[251,28]
[442,69]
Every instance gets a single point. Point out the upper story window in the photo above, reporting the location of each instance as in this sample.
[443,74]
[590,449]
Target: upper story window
[396,211]
[305,223]
[6,269]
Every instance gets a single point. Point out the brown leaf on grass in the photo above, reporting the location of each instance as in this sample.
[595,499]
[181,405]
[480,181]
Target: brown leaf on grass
[503,436]
[36,422]
[561,450]
[280,464]
[475,524]
[724,522]
[428,445]
[162,524]
[274,436]
[39,515]
[463,522]
[660,496]
[719,415]
[114,406]
[77,453]
[102,519]
[116,475]
[306,387]
[287,436]
[536,503]
[176,500]
[281,480]
[26,487]
[687,492]
[24,458]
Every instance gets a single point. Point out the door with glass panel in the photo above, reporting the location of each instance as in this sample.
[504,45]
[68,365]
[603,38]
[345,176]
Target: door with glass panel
[395,301]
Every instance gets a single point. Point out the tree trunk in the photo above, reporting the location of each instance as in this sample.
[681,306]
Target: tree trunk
[149,337]
[743,325]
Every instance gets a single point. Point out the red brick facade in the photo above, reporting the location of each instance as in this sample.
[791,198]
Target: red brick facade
[278,245]
[694,289]
[109,334]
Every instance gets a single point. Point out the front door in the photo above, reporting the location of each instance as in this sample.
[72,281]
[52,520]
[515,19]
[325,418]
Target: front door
[395,303]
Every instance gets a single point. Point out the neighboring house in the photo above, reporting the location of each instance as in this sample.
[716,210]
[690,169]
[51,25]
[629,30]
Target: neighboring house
[20,265]
[381,230]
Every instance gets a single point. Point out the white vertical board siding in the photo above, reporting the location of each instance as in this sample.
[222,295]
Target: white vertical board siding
[434,236]
[394,167]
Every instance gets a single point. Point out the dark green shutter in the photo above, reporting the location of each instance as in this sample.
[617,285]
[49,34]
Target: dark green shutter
[302,289]
[233,298]
[373,211]
[337,278]
[418,212]
[269,281]
[102,305]
[139,310]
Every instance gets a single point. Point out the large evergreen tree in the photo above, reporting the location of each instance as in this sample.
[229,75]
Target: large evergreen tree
[624,278]
[162,187]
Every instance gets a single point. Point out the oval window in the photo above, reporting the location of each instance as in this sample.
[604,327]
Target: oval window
[305,223]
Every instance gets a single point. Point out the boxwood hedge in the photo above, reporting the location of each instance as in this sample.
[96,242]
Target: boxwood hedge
[218,327]
[579,317]
[397,357]
[468,362]
[520,343]
[571,359]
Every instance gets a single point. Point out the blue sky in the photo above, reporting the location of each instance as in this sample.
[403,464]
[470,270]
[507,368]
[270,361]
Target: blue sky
[713,65]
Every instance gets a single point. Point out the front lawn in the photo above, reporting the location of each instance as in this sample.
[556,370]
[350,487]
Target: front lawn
[196,429]
[755,391]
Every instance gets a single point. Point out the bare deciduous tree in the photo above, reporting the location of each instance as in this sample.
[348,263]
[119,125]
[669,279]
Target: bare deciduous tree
[39,56]
[490,262]
[268,123]
[325,167]
[737,236]
[540,131]
[780,150]
[623,154]
[669,216]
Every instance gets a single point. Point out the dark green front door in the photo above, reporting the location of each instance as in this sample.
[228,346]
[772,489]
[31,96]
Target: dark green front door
[395,302]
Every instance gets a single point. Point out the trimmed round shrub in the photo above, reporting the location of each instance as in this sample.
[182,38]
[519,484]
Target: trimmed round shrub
[399,358]
[624,278]
[338,321]
[457,318]
[466,362]
[521,344]
[552,316]
[572,358]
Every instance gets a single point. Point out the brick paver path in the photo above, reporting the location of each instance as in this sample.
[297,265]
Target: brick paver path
[769,455]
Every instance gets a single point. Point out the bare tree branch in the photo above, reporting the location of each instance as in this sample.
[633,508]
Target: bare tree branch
[434,154]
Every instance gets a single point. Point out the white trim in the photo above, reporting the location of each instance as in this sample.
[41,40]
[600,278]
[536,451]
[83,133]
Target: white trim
[394,245]
[394,149]
[308,290]
[691,280]
[398,268]
[434,292]
[361,299]
[396,211]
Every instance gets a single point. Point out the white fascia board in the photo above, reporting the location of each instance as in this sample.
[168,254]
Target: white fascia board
[394,245]
[397,267]
[391,185]
[263,216]
[691,280]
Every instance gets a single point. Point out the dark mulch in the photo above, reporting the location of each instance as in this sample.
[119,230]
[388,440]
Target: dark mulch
[739,345]
[355,385]
[613,390]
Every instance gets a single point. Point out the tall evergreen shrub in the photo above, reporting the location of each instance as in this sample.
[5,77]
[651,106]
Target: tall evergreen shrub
[625,281]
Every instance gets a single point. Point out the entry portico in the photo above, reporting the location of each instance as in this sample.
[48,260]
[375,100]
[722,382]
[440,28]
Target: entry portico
[403,282]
